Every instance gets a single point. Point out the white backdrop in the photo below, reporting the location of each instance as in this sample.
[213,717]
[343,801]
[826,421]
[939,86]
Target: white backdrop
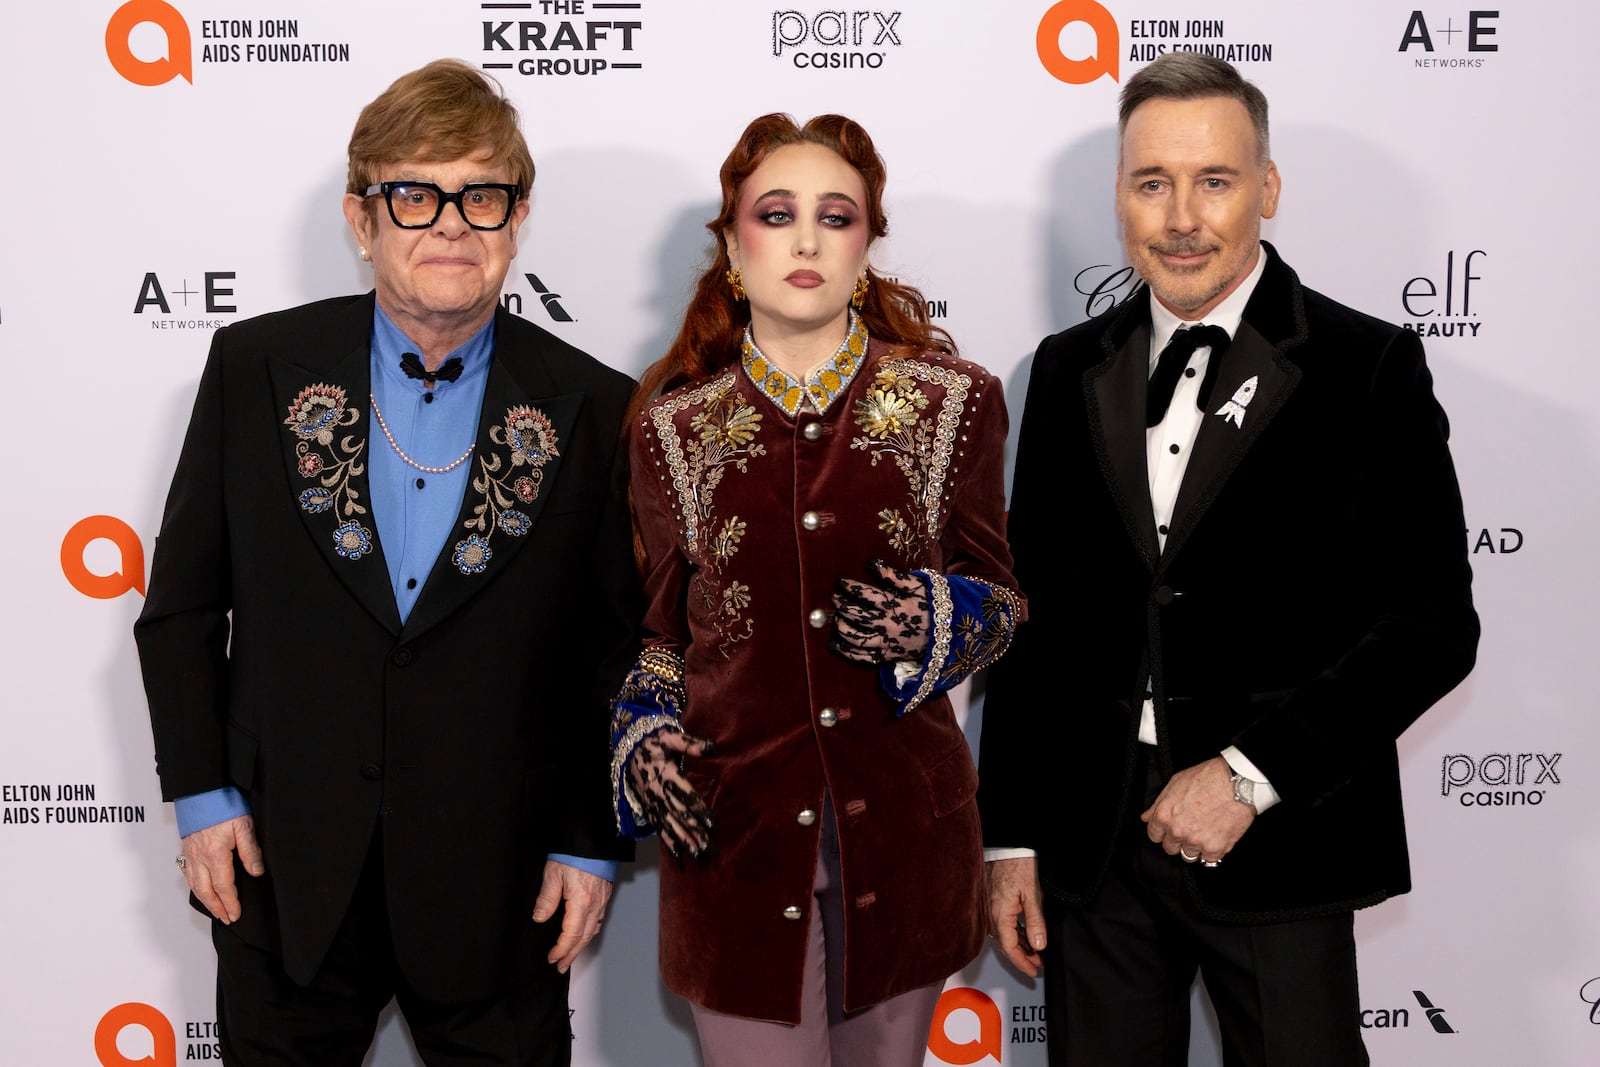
[149,200]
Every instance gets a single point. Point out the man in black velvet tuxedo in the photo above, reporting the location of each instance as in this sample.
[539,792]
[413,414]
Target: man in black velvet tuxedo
[1188,756]
[393,593]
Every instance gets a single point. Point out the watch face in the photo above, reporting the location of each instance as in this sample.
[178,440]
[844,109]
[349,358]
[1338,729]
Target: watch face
[1244,790]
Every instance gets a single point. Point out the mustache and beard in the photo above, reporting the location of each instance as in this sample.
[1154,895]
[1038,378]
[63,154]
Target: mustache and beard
[1183,248]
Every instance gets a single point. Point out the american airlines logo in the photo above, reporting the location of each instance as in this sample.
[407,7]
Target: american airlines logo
[550,300]
[1435,1015]
[1400,1018]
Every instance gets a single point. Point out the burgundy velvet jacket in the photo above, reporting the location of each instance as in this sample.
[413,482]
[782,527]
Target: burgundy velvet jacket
[749,507]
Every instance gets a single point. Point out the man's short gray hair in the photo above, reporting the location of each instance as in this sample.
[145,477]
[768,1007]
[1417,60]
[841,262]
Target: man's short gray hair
[1193,76]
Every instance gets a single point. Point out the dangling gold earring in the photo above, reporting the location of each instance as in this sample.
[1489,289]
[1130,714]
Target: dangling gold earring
[858,295]
[736,279]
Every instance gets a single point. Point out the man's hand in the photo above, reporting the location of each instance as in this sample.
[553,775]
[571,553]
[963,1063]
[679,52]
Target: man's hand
[1196,816]
[1014,911]
[208,863]
[586,896]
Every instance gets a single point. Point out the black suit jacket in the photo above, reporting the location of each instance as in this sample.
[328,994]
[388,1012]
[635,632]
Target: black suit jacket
[1313,599]
[275,661]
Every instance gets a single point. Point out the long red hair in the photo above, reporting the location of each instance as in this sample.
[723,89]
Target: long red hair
[713,324]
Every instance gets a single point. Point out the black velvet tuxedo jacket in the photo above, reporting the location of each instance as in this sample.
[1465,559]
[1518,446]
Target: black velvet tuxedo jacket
[275,661]
[1313,599]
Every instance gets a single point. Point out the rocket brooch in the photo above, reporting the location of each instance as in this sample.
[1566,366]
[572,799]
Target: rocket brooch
[1233,410]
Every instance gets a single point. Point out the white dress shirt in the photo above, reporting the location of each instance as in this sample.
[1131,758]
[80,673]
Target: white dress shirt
[1167,448]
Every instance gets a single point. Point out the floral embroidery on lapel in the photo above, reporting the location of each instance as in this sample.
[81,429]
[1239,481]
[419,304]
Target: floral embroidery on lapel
[895,425]
[527,432]
[725,429]
[825,385]
[314,415]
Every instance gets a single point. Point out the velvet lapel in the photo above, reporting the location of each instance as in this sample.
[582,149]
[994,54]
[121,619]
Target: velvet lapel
[324,437]
[1274,322]
[522,436]
[1114,391]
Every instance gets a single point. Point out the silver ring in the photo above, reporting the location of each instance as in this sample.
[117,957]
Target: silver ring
[182,863]
[1188,858]
[1212,863]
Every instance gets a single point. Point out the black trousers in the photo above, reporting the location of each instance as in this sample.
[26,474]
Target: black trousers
[265,1018]
[1118,972]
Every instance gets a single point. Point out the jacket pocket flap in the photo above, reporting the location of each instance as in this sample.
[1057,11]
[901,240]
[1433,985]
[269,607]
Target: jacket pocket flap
[952,781]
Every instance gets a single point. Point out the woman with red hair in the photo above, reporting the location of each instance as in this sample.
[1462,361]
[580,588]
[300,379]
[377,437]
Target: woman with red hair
[818,498]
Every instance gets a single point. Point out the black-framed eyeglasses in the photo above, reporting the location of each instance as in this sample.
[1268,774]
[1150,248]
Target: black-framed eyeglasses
[418,205]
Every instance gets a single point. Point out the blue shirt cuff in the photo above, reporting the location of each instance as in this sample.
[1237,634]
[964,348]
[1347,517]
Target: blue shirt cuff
[606,869]
[200,810]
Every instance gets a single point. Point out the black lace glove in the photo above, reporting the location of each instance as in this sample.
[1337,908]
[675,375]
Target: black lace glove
[881,621]
[668,801]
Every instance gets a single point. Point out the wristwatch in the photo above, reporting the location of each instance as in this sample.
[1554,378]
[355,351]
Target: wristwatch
[1244,790]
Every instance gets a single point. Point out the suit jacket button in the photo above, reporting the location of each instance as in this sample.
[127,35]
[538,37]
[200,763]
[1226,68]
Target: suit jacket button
[810,520]
[792,913]
[401,658]
[827,716]
[812,431]
[372,771]
[806,817]
[1164,595]
[818,618]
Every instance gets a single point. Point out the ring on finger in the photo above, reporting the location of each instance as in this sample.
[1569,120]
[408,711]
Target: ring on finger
[183,862]
[1187,857]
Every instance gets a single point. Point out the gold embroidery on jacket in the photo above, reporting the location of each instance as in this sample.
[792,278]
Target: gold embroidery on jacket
[896,425]
[725,430]
[986,637]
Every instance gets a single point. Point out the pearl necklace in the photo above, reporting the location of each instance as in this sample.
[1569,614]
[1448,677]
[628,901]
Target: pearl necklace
[384,426]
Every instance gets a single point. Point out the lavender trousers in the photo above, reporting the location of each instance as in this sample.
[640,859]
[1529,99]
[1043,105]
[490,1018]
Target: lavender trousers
[891,1034]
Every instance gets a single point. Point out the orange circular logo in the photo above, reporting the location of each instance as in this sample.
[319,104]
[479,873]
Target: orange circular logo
[1106,42]
[130,575]
[177,63]
[991,1031]
[163,1042]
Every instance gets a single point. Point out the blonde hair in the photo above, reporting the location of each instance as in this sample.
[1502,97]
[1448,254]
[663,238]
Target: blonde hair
[445,111]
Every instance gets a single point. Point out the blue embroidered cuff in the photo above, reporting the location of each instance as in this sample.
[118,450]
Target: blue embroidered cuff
[973,621]
[652,698]
[200,810]
[606,869]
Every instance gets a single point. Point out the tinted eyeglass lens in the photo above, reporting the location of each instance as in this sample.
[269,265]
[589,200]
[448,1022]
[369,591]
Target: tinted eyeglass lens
[485,207]
[418,205]
[414,205]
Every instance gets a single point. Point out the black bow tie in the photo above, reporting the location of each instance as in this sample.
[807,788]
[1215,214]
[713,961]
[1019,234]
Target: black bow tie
[449,372]
[1170,364]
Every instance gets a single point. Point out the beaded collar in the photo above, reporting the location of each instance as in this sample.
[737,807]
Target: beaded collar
[825,385]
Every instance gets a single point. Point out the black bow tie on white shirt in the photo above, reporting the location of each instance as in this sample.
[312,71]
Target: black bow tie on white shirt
[449,372]
[1170,364]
